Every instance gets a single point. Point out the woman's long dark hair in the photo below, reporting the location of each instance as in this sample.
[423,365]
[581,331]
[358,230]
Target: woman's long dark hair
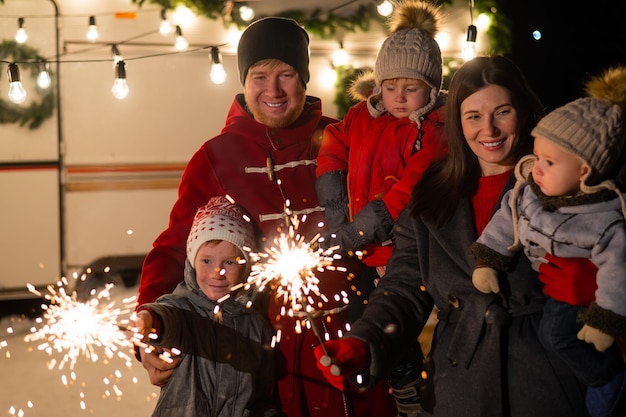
[445,182]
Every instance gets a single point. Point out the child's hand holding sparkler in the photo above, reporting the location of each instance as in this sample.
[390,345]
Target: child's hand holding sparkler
[342,358]
[159,362]
[141,329]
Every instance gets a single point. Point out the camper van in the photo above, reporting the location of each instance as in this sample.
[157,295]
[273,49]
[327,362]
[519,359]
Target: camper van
[88,179]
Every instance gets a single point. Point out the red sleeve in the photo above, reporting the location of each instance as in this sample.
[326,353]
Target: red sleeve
[164,265]
[434,147]
[335,148]
[333,153]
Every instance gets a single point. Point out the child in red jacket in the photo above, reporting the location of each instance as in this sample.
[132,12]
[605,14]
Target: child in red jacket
[369,162]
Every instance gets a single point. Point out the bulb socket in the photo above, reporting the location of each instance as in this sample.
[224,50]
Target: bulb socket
[14,73]
[472,31]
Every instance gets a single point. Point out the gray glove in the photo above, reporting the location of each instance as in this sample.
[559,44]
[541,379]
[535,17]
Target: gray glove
[373,224]
[332,194]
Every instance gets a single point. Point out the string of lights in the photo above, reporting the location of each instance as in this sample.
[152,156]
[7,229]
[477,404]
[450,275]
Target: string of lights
[120,89]
[17,93]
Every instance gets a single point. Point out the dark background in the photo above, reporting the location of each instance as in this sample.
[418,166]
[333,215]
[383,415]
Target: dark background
[580,40]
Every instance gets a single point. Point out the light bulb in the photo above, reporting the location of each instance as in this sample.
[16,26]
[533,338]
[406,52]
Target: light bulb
[92,32]
[469,47]
[165,28]
[469,51]
[340,57]
[181,42]
[20,36]
[17,94]
[182,16]
[384,8]
[246,13]
[120,87]
[43,78]
[218,75]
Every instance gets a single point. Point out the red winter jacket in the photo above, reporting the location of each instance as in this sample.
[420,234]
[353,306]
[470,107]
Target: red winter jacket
[384,157]
[235,163]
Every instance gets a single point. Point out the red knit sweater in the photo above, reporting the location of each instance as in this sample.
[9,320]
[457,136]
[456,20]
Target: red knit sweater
[486,198]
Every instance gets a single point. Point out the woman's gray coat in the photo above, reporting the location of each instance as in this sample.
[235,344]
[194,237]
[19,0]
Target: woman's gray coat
[486,359]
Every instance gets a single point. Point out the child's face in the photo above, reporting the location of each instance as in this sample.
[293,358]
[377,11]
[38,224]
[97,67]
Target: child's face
[402,96]
[556,171]
[218,268]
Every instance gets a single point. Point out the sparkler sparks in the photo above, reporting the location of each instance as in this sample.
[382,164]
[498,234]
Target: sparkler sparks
[73,328]
[288,266]
[72,333]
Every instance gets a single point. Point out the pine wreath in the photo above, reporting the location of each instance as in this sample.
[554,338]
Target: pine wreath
[37,112]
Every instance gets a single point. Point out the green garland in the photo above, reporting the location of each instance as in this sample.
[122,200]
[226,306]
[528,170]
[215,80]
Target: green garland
[345,77]
[37,112]
[326,24]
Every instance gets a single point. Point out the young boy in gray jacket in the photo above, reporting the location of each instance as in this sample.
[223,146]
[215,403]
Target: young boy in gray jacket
[228,365]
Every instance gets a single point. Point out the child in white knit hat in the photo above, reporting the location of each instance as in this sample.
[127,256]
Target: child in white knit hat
[228,365]
[369,162]
[566,203]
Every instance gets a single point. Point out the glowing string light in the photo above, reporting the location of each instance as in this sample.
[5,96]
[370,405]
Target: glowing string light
[21,36]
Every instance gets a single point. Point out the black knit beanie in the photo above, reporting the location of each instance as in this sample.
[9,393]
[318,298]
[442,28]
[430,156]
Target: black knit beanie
[274,38]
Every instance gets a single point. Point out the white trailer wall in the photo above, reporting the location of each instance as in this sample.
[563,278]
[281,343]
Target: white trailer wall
[120,160]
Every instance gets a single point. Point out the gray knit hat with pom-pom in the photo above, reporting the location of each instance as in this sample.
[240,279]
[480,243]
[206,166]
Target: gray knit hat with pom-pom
[410,50]
[592,128]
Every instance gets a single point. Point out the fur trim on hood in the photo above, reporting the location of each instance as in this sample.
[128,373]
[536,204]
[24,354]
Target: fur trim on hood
[362,86]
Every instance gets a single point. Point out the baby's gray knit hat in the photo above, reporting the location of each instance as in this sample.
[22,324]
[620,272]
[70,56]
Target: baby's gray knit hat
[592,128]
[589,128]
[410,51]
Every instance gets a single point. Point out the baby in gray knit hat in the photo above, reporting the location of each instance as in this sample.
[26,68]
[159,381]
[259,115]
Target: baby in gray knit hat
[566,203]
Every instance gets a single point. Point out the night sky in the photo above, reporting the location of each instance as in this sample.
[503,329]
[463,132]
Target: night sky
[578,42]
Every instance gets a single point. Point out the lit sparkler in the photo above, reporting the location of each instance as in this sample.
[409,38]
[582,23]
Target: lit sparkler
[73,328]
[288,265]
[93,330]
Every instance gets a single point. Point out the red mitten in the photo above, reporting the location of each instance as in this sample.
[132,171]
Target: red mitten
[342,358]
[569,280]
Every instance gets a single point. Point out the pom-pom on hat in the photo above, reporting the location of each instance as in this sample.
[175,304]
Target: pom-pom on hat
[220,219]
[410,50]
[274,38]
[592,128]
